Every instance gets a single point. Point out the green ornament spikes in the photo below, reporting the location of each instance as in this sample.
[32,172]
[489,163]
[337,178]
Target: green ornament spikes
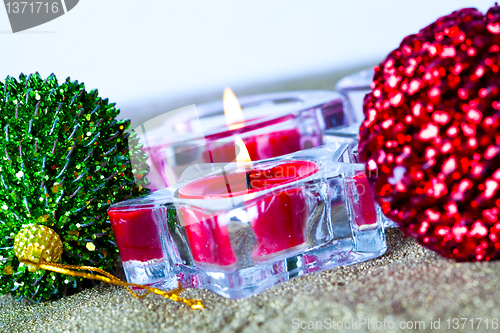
[65,160]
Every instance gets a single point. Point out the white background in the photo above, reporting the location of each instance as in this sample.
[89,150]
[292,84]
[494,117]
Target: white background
[136,52]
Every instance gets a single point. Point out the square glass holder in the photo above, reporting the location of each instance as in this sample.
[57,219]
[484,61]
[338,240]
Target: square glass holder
[317,214]
[355,87]
[275,124]
[348,134]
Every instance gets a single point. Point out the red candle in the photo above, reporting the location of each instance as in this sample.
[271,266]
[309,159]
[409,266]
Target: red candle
[270,126]
[262,146]
[277,224]
[365,212]
[277,221]
[136,234]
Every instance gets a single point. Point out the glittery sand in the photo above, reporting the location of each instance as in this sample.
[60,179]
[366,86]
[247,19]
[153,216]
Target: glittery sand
[408,283]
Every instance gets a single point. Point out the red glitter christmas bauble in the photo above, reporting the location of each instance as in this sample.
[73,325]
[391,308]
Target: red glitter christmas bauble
[431,136]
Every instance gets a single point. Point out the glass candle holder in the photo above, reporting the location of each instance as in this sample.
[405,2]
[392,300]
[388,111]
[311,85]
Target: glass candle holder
[349,135]
[238,229]
[355,87]
[274,124]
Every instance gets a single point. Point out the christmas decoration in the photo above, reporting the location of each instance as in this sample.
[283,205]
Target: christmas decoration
[37,243]
[431,135]
[65,159]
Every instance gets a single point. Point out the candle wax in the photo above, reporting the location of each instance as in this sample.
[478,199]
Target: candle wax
[365,212]
[136,234]
[261,146]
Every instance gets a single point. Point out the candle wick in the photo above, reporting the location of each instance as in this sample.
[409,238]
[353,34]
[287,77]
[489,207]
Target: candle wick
[249,185]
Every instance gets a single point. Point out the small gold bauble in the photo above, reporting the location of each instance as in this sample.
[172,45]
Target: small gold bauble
[38,243]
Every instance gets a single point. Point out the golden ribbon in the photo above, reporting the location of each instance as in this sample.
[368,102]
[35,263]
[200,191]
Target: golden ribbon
[108,278]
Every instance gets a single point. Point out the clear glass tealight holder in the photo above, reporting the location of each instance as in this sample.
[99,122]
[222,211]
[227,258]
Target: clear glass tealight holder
[271,125]
[237,229]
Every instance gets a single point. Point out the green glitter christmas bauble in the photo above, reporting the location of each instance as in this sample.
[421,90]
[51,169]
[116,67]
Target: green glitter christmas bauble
[65,160]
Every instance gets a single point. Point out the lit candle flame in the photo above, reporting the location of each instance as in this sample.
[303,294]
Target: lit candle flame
[243,161]
[232,110]
[242,156]
[234,120]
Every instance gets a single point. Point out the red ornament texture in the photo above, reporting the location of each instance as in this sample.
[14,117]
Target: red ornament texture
[431,136]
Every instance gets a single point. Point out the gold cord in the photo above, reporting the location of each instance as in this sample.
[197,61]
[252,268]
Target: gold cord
[108,278]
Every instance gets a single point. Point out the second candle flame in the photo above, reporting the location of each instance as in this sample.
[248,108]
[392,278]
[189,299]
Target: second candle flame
[232,110]
[234,120]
